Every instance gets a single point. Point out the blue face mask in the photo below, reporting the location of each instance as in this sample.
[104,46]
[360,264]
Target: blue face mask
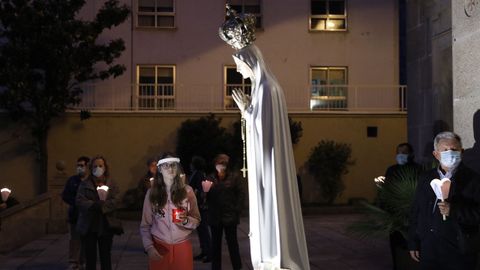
[402,159]
[450,159]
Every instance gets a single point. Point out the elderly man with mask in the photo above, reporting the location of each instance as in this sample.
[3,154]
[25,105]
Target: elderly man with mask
[449,243]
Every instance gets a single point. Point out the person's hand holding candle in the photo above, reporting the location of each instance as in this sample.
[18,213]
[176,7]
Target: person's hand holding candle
[5,193]
[179,216]
[206,185]
[102,192]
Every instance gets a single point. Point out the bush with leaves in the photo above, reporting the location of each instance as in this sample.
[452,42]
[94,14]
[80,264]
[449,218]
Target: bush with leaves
[328,162]
[203,137]
[395,198]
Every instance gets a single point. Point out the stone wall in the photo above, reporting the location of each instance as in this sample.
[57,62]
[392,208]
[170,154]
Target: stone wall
[24,222]
[466,66]
[429,73]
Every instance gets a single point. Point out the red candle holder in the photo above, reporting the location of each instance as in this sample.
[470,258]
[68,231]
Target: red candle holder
[176,212]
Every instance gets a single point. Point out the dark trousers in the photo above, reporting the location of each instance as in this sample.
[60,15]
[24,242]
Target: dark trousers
[104,242]
[396,240]
[204,233]
[436,253]
[76,254]
[232,242]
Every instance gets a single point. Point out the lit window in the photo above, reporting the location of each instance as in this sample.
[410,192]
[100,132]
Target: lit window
[234,80]
[329,88]
[156,13]
[248,6]
[328,15]
[156,87]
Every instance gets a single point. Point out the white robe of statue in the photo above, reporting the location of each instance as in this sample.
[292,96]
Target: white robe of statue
[277,236]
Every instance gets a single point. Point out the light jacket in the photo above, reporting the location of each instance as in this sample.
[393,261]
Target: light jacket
[162,227]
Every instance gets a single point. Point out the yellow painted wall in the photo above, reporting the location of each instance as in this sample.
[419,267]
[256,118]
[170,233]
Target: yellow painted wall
[371,155]
[127,140]
[18,165]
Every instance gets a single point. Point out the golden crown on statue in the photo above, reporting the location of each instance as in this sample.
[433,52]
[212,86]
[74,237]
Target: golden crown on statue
[238,30]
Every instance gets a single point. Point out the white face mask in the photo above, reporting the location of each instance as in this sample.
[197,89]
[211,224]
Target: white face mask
[81,171]
[402,159]
[98,171]
[450,159]
[220,167]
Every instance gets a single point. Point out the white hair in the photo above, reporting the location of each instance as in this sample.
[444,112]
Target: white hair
[446,135]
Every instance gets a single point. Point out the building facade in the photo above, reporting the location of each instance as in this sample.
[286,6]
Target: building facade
[337,61]
[327,55]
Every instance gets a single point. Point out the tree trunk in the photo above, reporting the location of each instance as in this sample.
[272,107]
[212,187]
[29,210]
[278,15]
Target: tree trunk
[40,133]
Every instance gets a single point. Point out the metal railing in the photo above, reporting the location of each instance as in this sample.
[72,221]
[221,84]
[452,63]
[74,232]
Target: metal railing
[217,98]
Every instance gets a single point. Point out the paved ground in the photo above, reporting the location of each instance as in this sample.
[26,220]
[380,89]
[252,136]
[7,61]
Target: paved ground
[328,244]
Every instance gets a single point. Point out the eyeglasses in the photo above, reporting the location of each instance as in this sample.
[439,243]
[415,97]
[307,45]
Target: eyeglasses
[80,165]
[172,165]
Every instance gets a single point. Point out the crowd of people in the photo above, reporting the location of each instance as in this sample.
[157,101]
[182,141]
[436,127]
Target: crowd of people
[173,206]
[443,234]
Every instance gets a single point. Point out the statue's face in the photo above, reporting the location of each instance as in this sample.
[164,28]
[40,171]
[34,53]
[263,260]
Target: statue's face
[243,68]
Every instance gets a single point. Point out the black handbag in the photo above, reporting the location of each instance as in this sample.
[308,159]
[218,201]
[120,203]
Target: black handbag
[115,225]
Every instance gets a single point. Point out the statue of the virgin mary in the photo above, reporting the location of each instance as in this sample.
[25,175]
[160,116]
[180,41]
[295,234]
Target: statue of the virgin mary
[277,237]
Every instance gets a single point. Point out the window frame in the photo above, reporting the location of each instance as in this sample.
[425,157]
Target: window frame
[228,99]
[257,15]
[329,99]
[156,97]
[327,17]
[155,14]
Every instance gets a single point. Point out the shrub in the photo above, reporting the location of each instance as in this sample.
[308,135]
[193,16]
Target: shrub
[394,201]
[328,162]
[203,137]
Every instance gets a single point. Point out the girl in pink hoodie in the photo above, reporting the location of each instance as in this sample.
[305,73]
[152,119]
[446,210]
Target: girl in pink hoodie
[170,214]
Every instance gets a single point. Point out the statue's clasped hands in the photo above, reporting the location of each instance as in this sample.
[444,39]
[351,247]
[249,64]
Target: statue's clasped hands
[241,99]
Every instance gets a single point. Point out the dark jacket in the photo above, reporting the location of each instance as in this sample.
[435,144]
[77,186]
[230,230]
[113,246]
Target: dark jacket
[196,183]
[11,201]
[464,219]
[93,212]
[69,195]
[225,200]
[393,171]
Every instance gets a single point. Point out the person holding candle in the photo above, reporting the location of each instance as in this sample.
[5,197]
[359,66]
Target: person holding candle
[453,242]
[96,201]
[145,182]
[170,214]
[225,202]
[7,200]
